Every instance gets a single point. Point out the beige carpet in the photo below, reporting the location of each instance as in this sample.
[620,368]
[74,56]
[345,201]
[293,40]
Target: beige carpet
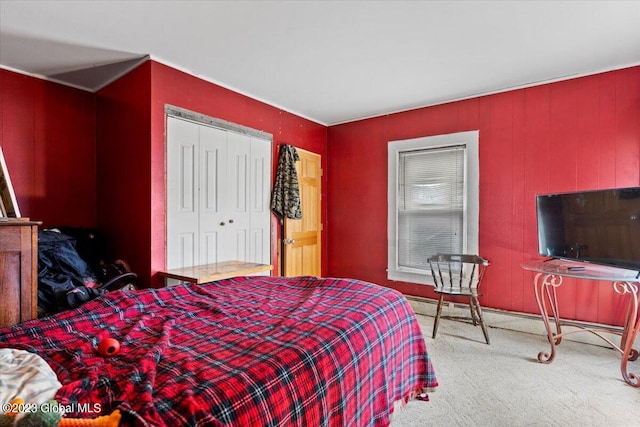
[503,384]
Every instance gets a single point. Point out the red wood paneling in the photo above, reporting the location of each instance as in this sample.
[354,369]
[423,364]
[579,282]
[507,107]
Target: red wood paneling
[124,168]
[577,134]
[47,134]
[572,135]
[132,125]
[170,86]
[519,293]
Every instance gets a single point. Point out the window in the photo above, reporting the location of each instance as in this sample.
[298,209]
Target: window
[432,201]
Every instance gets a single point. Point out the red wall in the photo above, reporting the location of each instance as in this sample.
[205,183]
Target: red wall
[577,134]
[47,135]
[131,153]
[124,168]
[572,135]
[170,86]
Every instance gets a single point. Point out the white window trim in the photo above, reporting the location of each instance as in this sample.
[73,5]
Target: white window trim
[470,139]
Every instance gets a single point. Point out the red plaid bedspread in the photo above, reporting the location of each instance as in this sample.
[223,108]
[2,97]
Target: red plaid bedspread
[248,351]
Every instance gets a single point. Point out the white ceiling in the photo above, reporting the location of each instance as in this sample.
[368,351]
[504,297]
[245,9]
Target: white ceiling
[329,61]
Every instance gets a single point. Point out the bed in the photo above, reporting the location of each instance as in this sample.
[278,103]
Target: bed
[246,351]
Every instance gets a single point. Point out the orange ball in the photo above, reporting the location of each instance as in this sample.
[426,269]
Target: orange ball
[14,404]
[108,347]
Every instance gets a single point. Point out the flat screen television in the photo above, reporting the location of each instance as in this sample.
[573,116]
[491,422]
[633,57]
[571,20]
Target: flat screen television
[599,226]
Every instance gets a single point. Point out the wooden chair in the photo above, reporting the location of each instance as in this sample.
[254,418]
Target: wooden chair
[459,275]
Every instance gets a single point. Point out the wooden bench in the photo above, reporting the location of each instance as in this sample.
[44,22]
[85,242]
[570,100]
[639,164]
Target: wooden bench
[216,271]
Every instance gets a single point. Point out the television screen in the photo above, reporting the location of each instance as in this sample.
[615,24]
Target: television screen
[600,226]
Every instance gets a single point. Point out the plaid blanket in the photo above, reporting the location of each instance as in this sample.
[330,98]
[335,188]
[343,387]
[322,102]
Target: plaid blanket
[248,351]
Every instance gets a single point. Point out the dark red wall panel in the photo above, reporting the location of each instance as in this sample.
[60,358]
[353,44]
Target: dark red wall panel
[573,135]
[124,168]
[47,134]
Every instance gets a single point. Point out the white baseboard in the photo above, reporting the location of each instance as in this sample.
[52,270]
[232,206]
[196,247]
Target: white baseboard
[520,322]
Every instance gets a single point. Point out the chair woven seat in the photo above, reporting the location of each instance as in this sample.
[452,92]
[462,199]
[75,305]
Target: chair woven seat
[458,291]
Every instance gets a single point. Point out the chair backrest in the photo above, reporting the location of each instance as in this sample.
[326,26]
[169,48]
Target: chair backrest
[457,273]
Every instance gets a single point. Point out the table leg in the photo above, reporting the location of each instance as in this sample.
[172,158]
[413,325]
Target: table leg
[631,328]
[545,289]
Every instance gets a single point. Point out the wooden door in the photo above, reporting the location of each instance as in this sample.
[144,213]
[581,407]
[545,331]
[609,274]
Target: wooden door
[302,249]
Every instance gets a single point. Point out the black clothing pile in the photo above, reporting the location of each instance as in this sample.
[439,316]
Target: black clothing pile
[71,270]
[63,275]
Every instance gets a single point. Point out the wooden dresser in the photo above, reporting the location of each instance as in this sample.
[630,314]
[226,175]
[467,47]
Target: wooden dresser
[18,270]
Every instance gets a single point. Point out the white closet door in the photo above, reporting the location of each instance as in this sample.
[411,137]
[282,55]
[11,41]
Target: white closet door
[218,194]
[237,221]
[214,193]
[182,193]
[259,202]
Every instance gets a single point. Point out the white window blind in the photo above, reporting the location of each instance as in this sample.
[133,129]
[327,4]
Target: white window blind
[430,204]
[433,202]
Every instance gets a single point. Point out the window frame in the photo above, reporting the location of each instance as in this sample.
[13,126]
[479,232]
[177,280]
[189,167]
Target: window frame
[469,139]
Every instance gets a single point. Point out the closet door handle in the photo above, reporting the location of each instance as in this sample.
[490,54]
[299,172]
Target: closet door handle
[222,223]
[230,221]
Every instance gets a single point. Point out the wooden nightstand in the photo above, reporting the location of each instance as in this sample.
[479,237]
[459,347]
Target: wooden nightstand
[18,270]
